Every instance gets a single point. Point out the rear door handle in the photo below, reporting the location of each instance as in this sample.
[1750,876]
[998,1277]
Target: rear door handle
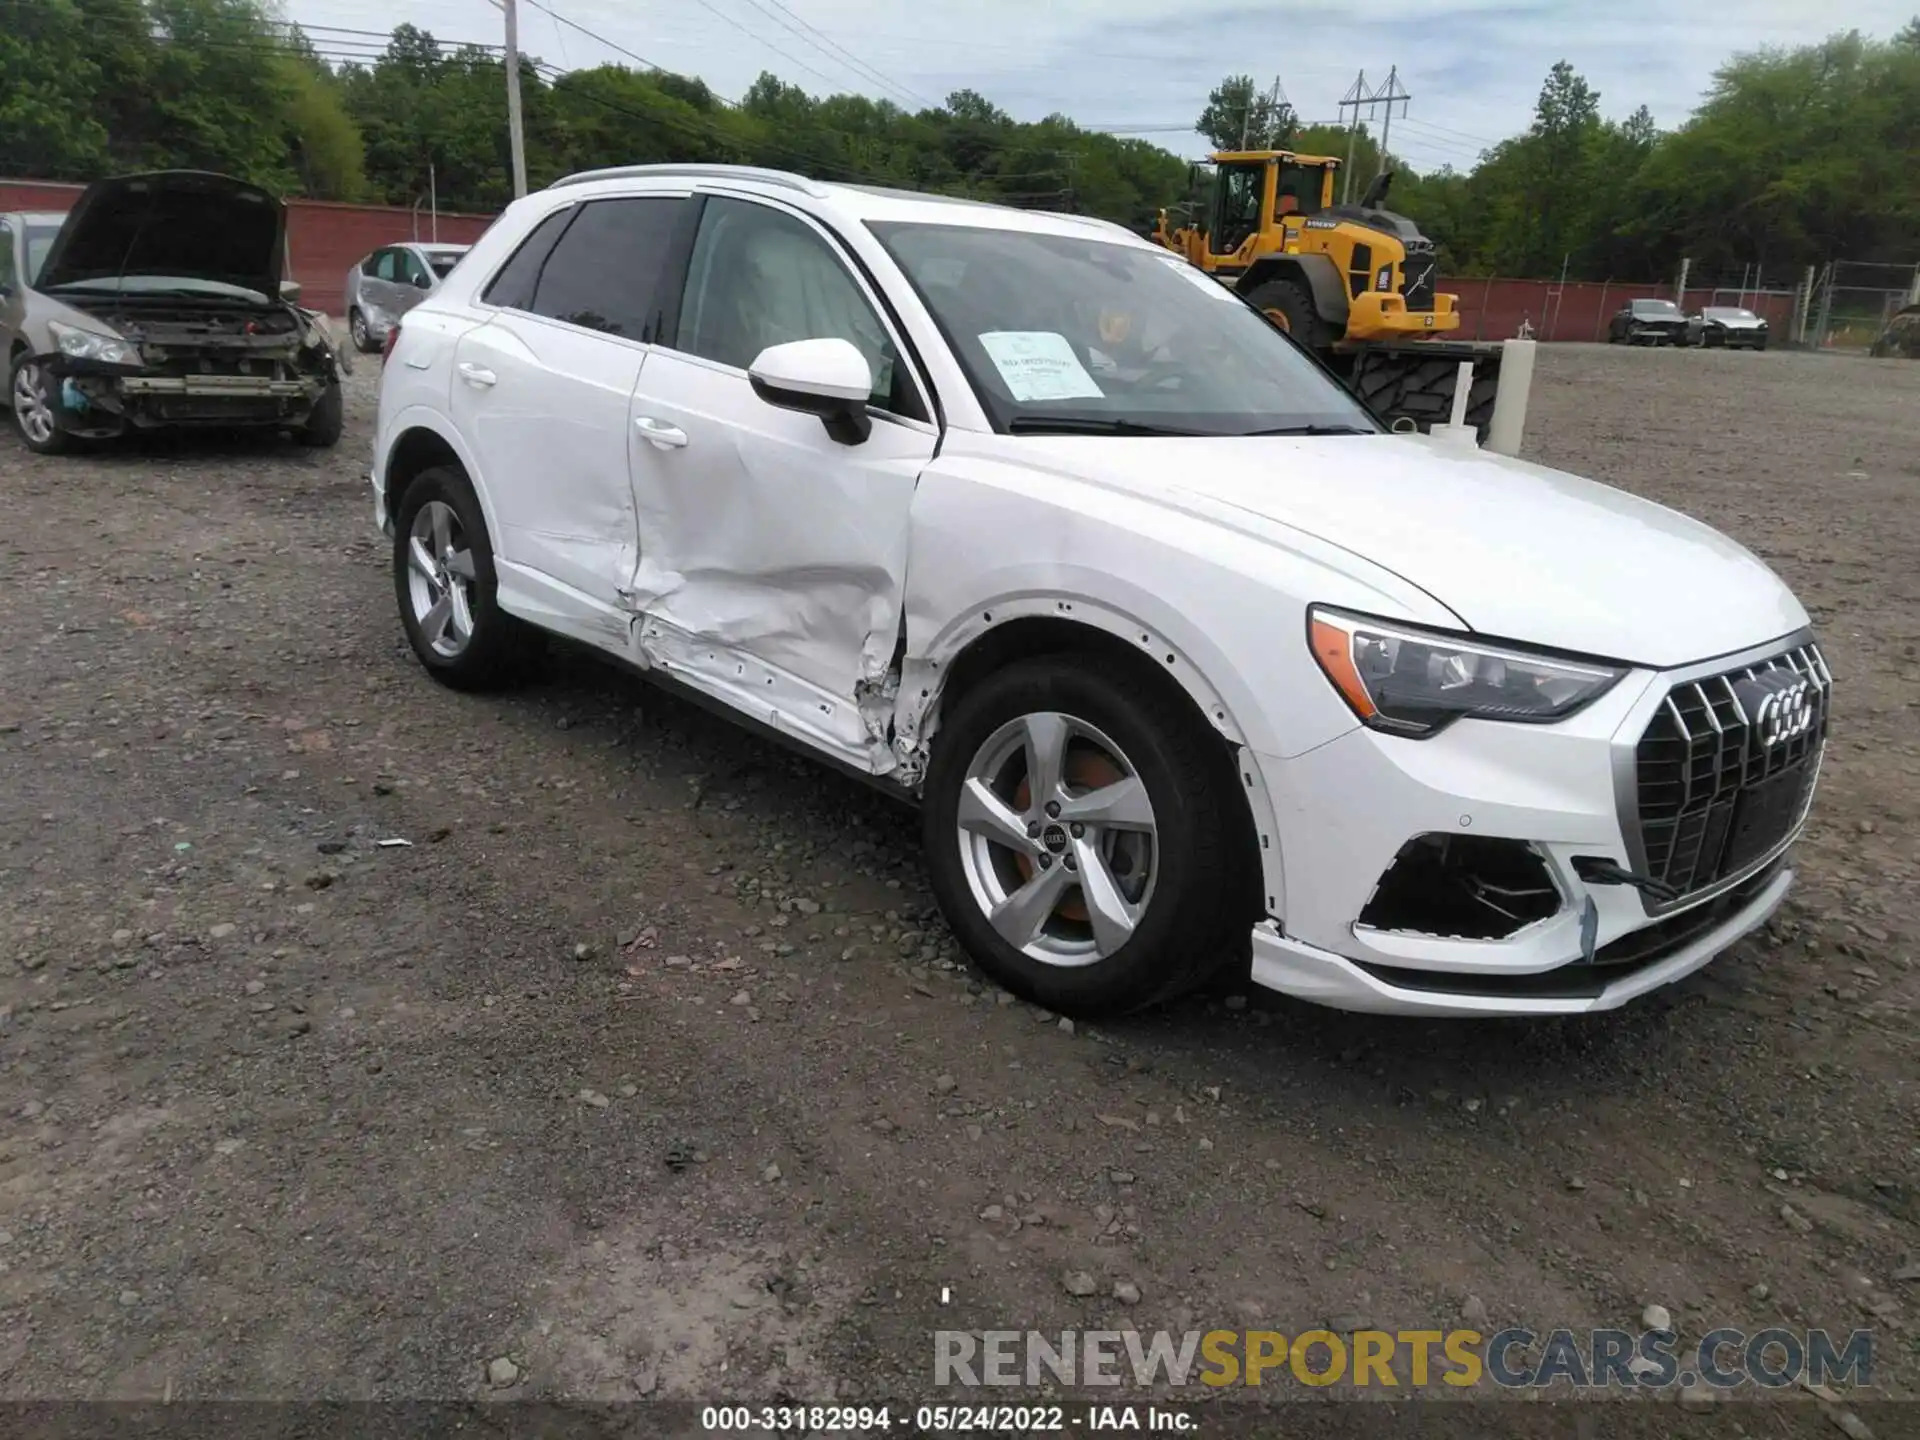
[660,433]
[477,374]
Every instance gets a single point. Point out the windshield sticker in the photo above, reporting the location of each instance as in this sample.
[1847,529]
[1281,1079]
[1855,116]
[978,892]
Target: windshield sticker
[1039,365]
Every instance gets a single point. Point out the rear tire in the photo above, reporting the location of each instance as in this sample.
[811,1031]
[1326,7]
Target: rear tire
[1135,915]
[1422,390]
[362,334]
[1290,304]
[496,647]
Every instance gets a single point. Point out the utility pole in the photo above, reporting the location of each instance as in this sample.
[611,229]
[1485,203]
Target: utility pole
[516,132]
[1359,97]
[1354,97]
[1392,92]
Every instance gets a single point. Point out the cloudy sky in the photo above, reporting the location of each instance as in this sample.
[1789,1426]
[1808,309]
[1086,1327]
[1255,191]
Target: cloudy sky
[1472,67]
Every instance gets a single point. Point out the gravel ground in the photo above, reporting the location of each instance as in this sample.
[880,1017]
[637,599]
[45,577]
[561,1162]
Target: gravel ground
[646,1068]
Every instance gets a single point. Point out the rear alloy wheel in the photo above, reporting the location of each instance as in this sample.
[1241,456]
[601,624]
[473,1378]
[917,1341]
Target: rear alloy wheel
[444,580]
[35,411]
[1079,839]
[362,336]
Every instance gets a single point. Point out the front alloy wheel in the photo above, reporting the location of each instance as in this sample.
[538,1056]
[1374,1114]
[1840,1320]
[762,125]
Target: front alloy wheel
[1057,839]
[1083,838]
[33,409]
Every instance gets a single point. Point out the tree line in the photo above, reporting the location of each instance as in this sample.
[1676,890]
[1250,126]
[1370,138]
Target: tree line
[1793,156]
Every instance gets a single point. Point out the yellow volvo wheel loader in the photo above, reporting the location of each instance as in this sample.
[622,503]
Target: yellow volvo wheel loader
[1353,283]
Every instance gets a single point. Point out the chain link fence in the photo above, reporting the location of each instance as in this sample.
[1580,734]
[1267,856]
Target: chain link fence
[1853,301]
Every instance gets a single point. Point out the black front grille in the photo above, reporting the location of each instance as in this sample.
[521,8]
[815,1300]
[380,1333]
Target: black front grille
[1417,277]
[1726,768]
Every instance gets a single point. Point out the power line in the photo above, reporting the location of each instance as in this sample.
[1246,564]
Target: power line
[828,47]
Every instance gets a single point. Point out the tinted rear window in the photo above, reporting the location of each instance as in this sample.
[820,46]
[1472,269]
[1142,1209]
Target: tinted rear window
[605,270]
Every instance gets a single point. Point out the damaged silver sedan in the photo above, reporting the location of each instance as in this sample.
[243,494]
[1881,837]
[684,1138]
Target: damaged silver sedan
[160,304]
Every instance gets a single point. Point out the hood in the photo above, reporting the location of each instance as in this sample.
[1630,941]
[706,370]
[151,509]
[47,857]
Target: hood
[186,223]
[1519,552]
[1735,322]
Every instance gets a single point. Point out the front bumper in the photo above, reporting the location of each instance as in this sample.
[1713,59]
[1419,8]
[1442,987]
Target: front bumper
[98,399]
[1306,973]
[1346,811]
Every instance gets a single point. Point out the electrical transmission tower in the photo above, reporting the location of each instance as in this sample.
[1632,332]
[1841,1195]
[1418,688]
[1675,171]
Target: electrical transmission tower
[1360,97]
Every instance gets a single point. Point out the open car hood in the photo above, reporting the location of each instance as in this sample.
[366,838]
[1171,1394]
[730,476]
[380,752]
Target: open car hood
[187,223]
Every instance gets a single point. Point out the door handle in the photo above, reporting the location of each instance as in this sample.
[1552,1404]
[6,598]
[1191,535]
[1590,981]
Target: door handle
[477,374]
[660,433]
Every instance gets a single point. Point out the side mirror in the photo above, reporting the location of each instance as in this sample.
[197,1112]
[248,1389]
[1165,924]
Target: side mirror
[290,291]
[829,378]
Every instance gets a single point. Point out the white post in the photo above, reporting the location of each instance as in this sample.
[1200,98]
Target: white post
[516,135]
[1456,429]
[433,200]
[1508,426]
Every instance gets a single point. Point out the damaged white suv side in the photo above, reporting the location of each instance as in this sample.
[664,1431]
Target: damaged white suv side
[1181,654]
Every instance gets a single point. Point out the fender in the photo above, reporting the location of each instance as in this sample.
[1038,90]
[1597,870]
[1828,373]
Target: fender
[1129,614]
[1318,272]
[421,417]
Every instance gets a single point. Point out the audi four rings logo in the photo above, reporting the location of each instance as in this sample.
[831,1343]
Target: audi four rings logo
[1785,714]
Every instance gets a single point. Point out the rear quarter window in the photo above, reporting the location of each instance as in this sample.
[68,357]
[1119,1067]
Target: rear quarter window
[513,284]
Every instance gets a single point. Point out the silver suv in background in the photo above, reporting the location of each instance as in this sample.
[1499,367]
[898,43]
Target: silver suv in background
[391,281]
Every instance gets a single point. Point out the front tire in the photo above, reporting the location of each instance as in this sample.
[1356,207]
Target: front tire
[444,580]
[1290,306]
[1081,838]
[327,419]
[36,409]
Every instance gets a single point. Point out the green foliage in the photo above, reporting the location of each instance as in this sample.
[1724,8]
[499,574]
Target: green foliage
[1240,116]
[1794,156]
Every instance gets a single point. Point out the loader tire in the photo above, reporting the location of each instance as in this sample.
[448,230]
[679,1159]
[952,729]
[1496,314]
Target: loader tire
[1290,306]
[1422,390]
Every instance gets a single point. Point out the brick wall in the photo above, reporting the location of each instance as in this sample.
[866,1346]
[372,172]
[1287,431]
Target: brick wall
[323,239]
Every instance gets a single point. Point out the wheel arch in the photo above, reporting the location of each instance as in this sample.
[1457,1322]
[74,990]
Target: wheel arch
[421,440]
[1317,272]
[1012,629]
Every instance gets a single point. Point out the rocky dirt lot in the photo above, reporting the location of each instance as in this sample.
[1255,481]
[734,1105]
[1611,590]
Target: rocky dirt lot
[645,1069]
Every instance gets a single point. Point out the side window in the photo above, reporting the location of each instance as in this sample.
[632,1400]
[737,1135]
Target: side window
[6,255]
[606,269]
[387,265]
[759,277]
[512,287]
[412,272]
[371,265]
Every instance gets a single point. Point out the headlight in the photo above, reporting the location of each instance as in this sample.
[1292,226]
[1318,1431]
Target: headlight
[91,345]
[1412,682]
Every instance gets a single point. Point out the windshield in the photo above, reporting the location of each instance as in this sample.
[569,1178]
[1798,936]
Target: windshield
[443,261]
[156,285]
[1068,332]
[1655,307]
[39,241]
[1729,312]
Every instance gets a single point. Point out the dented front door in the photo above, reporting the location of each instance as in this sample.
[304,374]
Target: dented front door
[772,557]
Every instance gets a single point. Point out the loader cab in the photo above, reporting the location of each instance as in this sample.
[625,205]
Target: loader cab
[1255,191]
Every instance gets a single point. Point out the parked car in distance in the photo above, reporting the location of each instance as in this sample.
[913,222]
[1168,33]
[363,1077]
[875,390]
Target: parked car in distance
[1901,337]
[158,303]
[1648,322]
[1184,658]
[25,238]
[391,281]
[1733,327]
